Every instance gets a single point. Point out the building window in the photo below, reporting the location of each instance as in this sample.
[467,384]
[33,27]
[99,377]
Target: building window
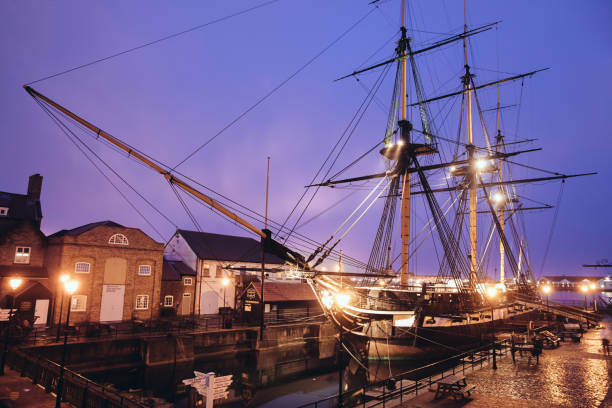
[118,239]
[142,302]
[3,211]
[168,301]
[81,267]
[22,255]
[78,303]
[188,281]
[144,270]
[219,272]
[206,270]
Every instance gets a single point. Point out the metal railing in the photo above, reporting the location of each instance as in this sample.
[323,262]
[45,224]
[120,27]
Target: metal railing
[405,386]
[77,390]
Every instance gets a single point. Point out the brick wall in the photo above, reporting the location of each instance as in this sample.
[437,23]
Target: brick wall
[107,264]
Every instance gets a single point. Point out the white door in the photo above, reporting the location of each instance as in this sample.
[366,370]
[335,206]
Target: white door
[41,308]
[111,309]
[209,303]
[186,305]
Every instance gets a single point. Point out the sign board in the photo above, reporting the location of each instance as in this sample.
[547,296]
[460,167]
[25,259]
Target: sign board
[251,293]
[209,386]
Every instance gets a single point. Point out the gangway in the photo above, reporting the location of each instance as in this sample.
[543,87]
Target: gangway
[570,312]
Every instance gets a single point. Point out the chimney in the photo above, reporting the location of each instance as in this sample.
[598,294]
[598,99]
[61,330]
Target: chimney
[34,187]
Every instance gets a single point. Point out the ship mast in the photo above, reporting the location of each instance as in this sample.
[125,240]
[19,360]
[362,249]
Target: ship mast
[467,84]
[405,137]
[502,204]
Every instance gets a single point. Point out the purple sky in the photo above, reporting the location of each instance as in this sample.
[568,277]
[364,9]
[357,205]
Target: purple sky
[168,98]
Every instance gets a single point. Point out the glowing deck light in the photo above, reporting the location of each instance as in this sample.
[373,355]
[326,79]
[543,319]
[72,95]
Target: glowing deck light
[491,292]
[381,282]
[225,281]
[453,168]
[546,289]
[500,287]
[498,197]
[592,286]
[584,288]
[481,164]
[400,142]
[64,278]
[327,300]
[342,299]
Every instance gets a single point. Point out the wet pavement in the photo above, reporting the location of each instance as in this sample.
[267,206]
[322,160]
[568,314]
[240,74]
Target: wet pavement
[576,375]
[19,392]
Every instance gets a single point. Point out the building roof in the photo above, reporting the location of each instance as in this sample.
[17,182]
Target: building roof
[572,278]
[23,271]
[175,270]
[20,206]
[85,228]
[231,248]
[285,291]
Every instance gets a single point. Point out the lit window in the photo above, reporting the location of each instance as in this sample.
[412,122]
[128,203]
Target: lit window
[22,255]
[81,267]
[78,303]
[3,211]
[142,302]
[188,281]
[206,270]
[118,239]
[218,272]
[144,270]
[168,301]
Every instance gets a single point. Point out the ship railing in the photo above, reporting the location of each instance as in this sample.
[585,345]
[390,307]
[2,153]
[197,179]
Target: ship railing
[390,392]
[77,390]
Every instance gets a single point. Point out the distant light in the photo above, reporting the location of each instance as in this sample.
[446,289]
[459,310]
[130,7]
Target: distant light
[15,283]
[400,142]
[592,286]
[584,288]
[64,278]
[546,289]
[225,281]
[381,282]
[453,168]
[491,292]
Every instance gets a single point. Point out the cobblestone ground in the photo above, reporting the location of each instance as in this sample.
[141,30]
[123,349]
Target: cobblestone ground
[576,375]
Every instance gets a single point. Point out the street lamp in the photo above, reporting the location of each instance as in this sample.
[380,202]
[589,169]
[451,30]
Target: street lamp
[63,279]
[14,284]
[584,289]
[547,289]
[492,293]
[70,286]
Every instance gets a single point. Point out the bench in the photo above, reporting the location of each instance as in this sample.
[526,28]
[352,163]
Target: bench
[464,392]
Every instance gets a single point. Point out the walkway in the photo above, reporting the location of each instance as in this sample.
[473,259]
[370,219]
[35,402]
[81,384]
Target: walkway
[576,375]
[19,392]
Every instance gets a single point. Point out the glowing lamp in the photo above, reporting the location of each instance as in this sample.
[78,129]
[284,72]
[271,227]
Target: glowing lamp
[546,289]
[592,286]
[327,300]
[71,286]
[453,168]
[491,292]
[381,282]
[481,164]
[400,142]
[64,278]
[584,288]
[342,299]
[225,281]
[498,198]
[15,283]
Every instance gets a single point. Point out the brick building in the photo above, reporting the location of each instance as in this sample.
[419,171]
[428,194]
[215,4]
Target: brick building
[22,253]
[119,270]
[178,289]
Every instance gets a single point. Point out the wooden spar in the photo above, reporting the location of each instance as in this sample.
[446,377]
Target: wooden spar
[502,216]
[405,137]
[166,173]
[424,168]
[467,80]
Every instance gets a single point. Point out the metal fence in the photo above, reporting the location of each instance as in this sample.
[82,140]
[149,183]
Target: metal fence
[77,390]
[407,385]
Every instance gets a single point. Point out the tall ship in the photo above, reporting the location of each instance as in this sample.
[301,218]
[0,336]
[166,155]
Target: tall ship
[387,310]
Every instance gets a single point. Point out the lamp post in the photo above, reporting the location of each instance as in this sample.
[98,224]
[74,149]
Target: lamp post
[63,279]
[584,289]
[70,287]
[492,293]
[547,289]
[14,283]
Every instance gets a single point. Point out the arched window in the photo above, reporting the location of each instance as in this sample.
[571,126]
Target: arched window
[118,239]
